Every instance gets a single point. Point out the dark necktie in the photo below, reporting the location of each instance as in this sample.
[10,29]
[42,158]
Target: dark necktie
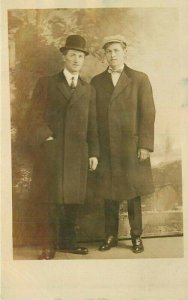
[72,85]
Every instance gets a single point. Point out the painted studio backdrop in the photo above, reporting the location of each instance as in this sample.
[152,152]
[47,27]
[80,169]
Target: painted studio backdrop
[152,37]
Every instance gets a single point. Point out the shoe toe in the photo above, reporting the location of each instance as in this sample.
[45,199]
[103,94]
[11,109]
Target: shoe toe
[81,250]
[104,247]
[110,242]
[138,249]
[46,254]
[137,245]
[42,256]
[75,250]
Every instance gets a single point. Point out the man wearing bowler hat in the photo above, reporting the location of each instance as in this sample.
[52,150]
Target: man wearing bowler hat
[125,113]
[63,133]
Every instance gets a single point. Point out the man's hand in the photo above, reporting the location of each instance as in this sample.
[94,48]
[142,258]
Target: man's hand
[50,138]
[93,162]
[143,154]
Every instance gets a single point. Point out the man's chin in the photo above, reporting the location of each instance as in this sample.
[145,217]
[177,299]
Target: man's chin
[113,64]
[77,70]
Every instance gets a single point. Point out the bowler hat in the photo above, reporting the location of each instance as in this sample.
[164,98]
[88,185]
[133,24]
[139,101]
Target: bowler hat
[114,39]
[75,42]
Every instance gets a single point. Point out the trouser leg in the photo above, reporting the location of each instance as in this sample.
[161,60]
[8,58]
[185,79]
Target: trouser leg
[47,229]
[135,216]
[111,208]
[67,222]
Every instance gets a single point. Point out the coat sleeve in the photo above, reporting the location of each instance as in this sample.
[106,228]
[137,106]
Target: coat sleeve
[146,115]
[92,134]
[38,130]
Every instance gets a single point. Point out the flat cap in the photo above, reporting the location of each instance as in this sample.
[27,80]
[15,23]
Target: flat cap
[114,39]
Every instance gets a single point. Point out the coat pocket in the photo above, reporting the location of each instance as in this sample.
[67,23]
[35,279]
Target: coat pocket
[49,155]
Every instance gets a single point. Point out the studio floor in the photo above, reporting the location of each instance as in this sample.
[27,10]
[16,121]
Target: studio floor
[163,247]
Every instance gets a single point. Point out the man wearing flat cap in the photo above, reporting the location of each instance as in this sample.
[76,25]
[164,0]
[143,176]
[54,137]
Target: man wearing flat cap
[63,134]
[125,113]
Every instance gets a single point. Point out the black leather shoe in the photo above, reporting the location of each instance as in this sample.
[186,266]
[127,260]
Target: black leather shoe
[75,250]
[137,245]
[47,254]
[110,242]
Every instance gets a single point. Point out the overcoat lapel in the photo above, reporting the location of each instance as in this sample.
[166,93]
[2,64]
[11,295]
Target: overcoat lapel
[63,85]
[122,84]
[64,88]
[78,92]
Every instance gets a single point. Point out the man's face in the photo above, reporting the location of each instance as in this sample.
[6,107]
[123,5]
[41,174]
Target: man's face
[115,55]
[74,60]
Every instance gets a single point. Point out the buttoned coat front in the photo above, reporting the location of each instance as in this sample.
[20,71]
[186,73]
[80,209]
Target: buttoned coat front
[125,117]
[61,165]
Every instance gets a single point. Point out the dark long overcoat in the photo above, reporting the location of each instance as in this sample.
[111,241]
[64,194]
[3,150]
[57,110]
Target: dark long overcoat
[125,117]
[61,165]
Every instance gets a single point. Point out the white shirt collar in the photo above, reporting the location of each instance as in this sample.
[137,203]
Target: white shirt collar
[120,68]
[69,76]
[115,76]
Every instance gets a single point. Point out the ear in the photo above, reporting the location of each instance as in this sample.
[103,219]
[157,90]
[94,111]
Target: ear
[63,57]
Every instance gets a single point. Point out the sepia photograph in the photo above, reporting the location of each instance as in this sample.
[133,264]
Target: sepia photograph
[94,150]
[96,154]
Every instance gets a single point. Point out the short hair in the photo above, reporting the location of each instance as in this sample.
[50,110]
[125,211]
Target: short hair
[110,43]
[65,51]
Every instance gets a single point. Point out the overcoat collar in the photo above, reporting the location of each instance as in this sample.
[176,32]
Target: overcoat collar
[122,83]
[64,88]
